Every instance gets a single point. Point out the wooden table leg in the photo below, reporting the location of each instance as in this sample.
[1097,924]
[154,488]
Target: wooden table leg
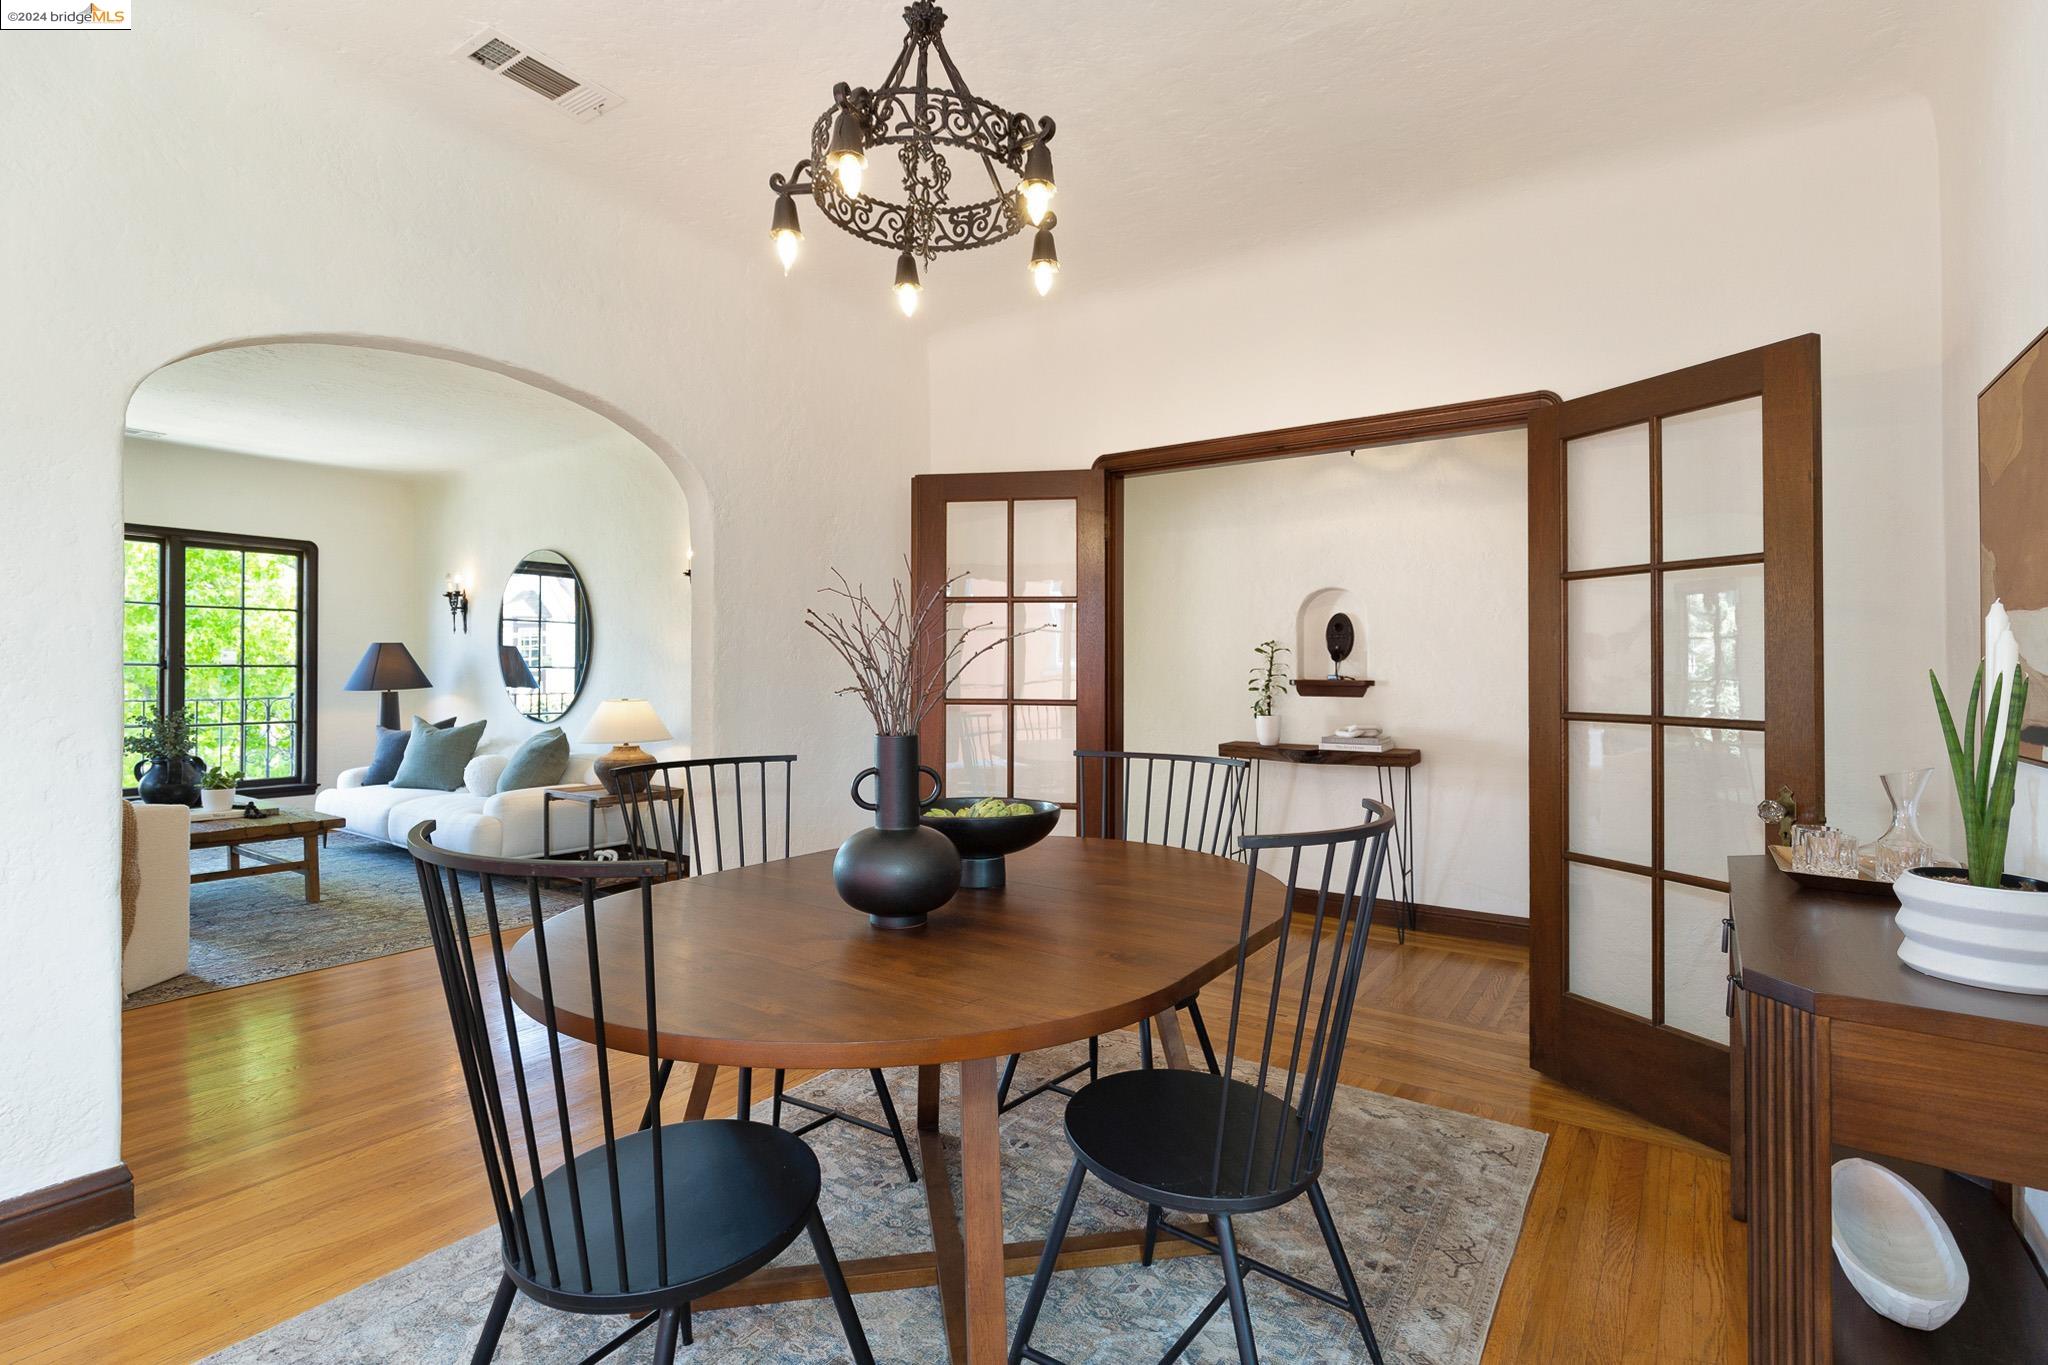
[988,1335]
[234,857]
[949,1256]
[312,861]
[702,1078]
[1166,1024]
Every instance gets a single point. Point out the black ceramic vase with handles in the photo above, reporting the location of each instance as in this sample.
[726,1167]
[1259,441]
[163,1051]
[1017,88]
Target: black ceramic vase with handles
[169,782]
[899,871]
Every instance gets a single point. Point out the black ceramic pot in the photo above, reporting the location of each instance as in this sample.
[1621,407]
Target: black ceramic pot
[169,784]
[899,871]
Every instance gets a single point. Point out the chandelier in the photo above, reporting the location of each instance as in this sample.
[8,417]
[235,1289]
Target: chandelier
[918,118]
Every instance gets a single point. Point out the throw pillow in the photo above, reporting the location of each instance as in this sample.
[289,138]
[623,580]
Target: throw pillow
[434,759]
[391,750]
[540,762]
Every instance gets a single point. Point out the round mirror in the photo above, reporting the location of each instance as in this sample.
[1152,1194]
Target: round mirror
[544,635]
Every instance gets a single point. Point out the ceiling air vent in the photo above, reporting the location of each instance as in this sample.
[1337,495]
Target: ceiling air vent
[544,76]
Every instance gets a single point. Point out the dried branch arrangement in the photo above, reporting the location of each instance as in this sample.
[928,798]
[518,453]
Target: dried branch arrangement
[883,646]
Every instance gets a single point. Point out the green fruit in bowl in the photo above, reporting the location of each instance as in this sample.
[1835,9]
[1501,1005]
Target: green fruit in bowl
[988,808]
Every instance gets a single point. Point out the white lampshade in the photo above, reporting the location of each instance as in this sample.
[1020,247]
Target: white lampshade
[624,720]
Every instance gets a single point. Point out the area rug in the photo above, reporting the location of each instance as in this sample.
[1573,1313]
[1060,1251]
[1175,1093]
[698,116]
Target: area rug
[1430,1203]
[256,928]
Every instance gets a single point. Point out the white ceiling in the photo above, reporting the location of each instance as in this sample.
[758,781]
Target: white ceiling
[361,408]
[1188,129]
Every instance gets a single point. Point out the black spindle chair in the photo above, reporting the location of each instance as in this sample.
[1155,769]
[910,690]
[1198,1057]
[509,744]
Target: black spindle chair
[708,814]
[640,1222]
[1187,800]
[1222,1145]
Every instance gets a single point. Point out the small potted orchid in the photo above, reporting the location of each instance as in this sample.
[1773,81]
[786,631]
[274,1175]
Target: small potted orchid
[1980,924]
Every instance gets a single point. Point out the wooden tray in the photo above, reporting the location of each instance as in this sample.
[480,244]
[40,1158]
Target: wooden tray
[1824,881]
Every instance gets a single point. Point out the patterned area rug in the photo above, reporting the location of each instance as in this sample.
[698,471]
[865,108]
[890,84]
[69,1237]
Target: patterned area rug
[257,928]
[1430,1203]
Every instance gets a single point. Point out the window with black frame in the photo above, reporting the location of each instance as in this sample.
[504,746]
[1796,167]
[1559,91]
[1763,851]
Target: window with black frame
[222,626]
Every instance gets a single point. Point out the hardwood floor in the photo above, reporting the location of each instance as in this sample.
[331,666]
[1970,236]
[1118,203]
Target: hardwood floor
[293,1139]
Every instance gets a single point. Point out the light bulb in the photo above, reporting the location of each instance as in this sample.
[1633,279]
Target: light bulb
[1037,199]
[1042,273]
[906,298]
[783,228]
[786,246]
[849,167]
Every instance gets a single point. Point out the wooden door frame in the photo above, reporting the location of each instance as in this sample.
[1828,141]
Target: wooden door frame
[1471,418]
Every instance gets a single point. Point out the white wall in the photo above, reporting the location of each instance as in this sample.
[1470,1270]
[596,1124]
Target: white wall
[1572,284]
[367,527]
[618,515]
[173,210]
[1428,544]
[1992,116]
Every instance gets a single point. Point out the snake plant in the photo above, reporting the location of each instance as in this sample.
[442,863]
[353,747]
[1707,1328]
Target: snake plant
[1984,760]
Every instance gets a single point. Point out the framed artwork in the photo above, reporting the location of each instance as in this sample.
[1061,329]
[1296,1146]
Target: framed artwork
[2012,521]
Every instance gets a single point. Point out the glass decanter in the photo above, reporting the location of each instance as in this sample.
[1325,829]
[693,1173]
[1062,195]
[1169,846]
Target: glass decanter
[1902,847]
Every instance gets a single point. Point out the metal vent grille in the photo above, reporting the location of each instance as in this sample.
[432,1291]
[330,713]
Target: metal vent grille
[541,78]
[494,54]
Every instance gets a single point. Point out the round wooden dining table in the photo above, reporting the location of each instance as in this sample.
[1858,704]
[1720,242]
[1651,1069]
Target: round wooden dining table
[764,966]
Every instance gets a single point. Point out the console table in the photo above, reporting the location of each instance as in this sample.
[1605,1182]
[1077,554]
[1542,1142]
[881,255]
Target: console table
[1388,766]
[1841,1049]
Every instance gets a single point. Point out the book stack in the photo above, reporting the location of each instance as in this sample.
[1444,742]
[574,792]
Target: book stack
[1369,740]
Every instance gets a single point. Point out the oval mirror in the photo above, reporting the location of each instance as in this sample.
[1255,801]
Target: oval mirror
[544,635]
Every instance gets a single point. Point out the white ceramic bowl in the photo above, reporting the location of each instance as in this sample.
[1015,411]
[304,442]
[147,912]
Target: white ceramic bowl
[1894,1247]
[1995,937]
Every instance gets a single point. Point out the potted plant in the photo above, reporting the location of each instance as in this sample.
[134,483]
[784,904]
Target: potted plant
[217,790]
[1269,679]
[1981,925]
[168,772]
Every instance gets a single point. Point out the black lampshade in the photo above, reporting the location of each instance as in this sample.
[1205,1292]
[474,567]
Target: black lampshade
[512,664]
[385,667]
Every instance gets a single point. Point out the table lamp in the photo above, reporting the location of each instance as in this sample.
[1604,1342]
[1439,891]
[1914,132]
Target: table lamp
[386,667]
[621,723]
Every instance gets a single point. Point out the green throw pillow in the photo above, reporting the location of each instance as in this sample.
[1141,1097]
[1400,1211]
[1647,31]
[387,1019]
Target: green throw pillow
[434,759]
[540,762]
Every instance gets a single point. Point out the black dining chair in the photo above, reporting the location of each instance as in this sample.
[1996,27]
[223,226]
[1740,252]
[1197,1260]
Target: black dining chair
[709,814]
[1190,801]
[642,1222]
[1247,1140]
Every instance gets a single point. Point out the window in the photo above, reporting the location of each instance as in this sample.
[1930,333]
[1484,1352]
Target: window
[222,625]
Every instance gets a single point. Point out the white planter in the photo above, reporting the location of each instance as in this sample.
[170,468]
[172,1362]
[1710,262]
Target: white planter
[1894,1248]
[1996,937]
[214,802]
[1266,729]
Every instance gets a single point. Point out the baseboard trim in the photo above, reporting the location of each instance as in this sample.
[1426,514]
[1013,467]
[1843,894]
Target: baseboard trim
[71,1208]
[1483,925]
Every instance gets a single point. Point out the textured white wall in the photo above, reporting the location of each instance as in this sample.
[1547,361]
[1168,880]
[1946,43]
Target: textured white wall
[366,525]
[1572,283]
[173,210]
[1429,545]
[620,518]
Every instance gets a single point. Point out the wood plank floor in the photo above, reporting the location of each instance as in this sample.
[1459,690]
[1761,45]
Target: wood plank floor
[293,1139]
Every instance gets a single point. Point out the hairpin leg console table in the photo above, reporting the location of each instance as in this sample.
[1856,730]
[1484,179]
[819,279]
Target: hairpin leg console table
[1392,768]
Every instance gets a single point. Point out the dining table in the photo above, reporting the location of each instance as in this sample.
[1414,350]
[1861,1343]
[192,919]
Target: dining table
[763,966]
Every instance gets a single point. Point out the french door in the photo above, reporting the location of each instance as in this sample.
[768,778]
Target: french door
[1015,554]
[1675,681]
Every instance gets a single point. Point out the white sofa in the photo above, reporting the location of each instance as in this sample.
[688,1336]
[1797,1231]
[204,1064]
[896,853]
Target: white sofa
[160,945]
[477,817]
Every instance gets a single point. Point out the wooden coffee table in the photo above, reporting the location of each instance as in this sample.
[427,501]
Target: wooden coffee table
[236,833]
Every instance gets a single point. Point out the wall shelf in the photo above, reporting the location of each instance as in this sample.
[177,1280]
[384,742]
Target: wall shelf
[1309,753]
[1332,687]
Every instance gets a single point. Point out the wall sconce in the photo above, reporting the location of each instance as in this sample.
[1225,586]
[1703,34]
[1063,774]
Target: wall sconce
[457,598]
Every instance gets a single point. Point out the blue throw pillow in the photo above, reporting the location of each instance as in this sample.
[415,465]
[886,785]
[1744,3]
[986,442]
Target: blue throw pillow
[391,751]
[434,759]
[540,762]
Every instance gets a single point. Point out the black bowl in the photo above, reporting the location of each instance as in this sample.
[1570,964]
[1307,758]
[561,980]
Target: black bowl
[982,843]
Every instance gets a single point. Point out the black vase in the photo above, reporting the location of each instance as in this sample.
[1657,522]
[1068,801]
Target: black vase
[169,783]
[899,871]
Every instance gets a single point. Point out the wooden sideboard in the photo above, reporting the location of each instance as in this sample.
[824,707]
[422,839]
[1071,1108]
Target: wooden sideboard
[1841,1049]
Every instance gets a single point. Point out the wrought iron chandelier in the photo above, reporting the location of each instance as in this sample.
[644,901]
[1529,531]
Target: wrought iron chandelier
[920,119]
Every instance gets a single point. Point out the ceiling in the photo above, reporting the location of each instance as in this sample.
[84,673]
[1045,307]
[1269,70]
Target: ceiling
[1188,129]
[359,407]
